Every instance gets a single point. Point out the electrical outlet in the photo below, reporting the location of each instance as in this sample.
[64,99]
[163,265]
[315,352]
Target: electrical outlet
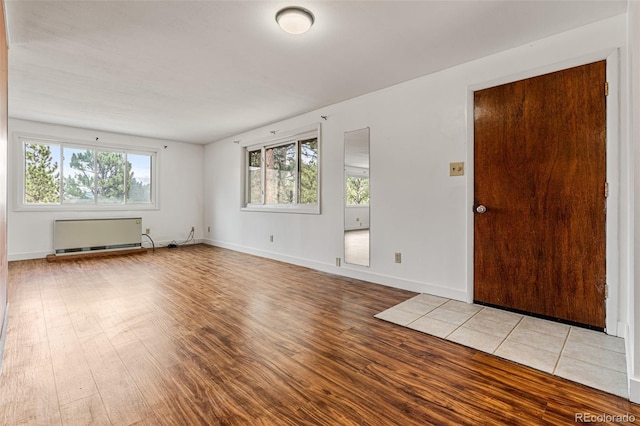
[148,231]
[398,257]
[456,169]
[271,238]
[208,229]
[193,228]
[338,261]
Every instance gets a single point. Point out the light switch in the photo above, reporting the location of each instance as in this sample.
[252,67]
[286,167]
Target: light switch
[456,169]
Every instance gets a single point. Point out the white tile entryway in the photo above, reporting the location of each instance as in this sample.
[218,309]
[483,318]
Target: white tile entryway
[584,356]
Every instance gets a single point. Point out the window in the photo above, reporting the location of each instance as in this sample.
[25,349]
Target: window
[284,175]
[139,167]
[255,177]
[66,175]
[308,171]
[280,174]
[42,174]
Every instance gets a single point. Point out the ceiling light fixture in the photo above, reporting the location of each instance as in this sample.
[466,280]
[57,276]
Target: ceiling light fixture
[294,19]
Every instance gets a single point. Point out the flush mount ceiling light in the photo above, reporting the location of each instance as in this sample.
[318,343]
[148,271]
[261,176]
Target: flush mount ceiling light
[294,19]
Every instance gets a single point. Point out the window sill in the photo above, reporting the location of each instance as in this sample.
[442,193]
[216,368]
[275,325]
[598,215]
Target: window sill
[283,209]
[85,208]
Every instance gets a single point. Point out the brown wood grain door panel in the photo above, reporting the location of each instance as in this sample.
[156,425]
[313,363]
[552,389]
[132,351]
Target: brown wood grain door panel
[540,169]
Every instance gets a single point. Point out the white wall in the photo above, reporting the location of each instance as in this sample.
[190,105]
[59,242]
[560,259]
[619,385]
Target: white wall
[180,195]
[633,339]
[417,128]
[356,217]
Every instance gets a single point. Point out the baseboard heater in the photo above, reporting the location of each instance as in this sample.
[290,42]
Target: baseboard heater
[75,236]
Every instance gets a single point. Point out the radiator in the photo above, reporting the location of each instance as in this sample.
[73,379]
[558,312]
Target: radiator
[81,235]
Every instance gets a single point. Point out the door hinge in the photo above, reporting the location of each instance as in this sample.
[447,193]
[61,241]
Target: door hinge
[606,189]
[606,88]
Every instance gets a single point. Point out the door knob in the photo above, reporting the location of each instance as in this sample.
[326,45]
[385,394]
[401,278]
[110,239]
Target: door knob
[481,209]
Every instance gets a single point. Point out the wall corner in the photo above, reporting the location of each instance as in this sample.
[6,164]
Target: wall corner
[634,390]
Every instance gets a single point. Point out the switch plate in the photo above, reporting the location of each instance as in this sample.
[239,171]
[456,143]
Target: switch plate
[398,257]
[271,238]
[148,231]
[456,169]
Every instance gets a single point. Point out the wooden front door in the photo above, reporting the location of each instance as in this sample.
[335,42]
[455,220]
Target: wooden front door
[540,173]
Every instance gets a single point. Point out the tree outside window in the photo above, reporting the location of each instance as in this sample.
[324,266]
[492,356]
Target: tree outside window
[139,172]
[79,176]
[94,177]
[104,177]
[89,176]
[309,171]
[280,178]
[42,174]
[255,177]
[284,176]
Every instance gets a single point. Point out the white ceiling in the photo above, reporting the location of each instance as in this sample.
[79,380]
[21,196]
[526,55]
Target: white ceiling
[203,70]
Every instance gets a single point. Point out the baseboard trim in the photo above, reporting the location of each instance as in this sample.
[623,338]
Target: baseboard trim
[634,390]
[94,254]
[622,330]
[347,271]
[16,257]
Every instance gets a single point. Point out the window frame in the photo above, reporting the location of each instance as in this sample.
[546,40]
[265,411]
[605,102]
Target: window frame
[298,136]
[22,140]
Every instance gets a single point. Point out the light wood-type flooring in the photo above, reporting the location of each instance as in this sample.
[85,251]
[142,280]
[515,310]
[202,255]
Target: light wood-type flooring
[202,335]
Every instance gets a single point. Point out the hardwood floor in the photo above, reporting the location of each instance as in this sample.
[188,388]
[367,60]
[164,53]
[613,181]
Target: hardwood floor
[202,335]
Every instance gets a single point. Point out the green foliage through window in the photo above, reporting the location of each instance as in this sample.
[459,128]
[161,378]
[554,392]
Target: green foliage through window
[89,176]
[309,171]
[280,178]
[285,174]
[42,174]
[255,178]
[139,168]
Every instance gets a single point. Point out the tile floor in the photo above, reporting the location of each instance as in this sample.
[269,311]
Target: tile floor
[584,356]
